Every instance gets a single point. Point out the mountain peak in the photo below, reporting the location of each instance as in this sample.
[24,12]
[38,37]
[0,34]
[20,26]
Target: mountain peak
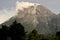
[22,5]
[33,16]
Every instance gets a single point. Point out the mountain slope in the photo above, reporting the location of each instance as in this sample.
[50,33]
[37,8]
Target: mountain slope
[34,17]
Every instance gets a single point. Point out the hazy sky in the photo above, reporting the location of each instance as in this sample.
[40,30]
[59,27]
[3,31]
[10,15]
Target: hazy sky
[7,7]
[53,5]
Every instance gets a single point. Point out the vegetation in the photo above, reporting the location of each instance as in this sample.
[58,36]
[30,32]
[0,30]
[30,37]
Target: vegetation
[16,32]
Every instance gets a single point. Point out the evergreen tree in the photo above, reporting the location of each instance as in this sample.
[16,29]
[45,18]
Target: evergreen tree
[17,31]
[33,35]
[4,32]
[58,35]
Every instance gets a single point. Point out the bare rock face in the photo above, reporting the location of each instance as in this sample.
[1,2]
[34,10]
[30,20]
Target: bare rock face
[34,17]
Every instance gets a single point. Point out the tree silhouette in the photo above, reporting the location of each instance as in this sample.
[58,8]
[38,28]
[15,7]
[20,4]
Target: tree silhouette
[32,35]
[58,35]
[4,32]
[17,31]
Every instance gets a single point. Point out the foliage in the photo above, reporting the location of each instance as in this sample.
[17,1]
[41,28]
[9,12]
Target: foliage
[16,32]
[32,35]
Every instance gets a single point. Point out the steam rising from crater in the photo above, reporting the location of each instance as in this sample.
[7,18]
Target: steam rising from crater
[22,5]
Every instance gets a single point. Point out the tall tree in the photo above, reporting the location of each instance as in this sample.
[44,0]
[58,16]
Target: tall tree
[17,31]
[4,32]
[32,35]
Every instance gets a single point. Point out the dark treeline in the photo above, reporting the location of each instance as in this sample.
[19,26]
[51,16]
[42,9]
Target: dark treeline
[16,32]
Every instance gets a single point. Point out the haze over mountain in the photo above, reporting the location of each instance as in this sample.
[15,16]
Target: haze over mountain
[33,16]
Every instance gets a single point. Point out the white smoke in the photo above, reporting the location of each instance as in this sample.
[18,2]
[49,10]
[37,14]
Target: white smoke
[6,14]
[22,5]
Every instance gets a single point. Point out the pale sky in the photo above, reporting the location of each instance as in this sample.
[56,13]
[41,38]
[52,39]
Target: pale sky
[7,7]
